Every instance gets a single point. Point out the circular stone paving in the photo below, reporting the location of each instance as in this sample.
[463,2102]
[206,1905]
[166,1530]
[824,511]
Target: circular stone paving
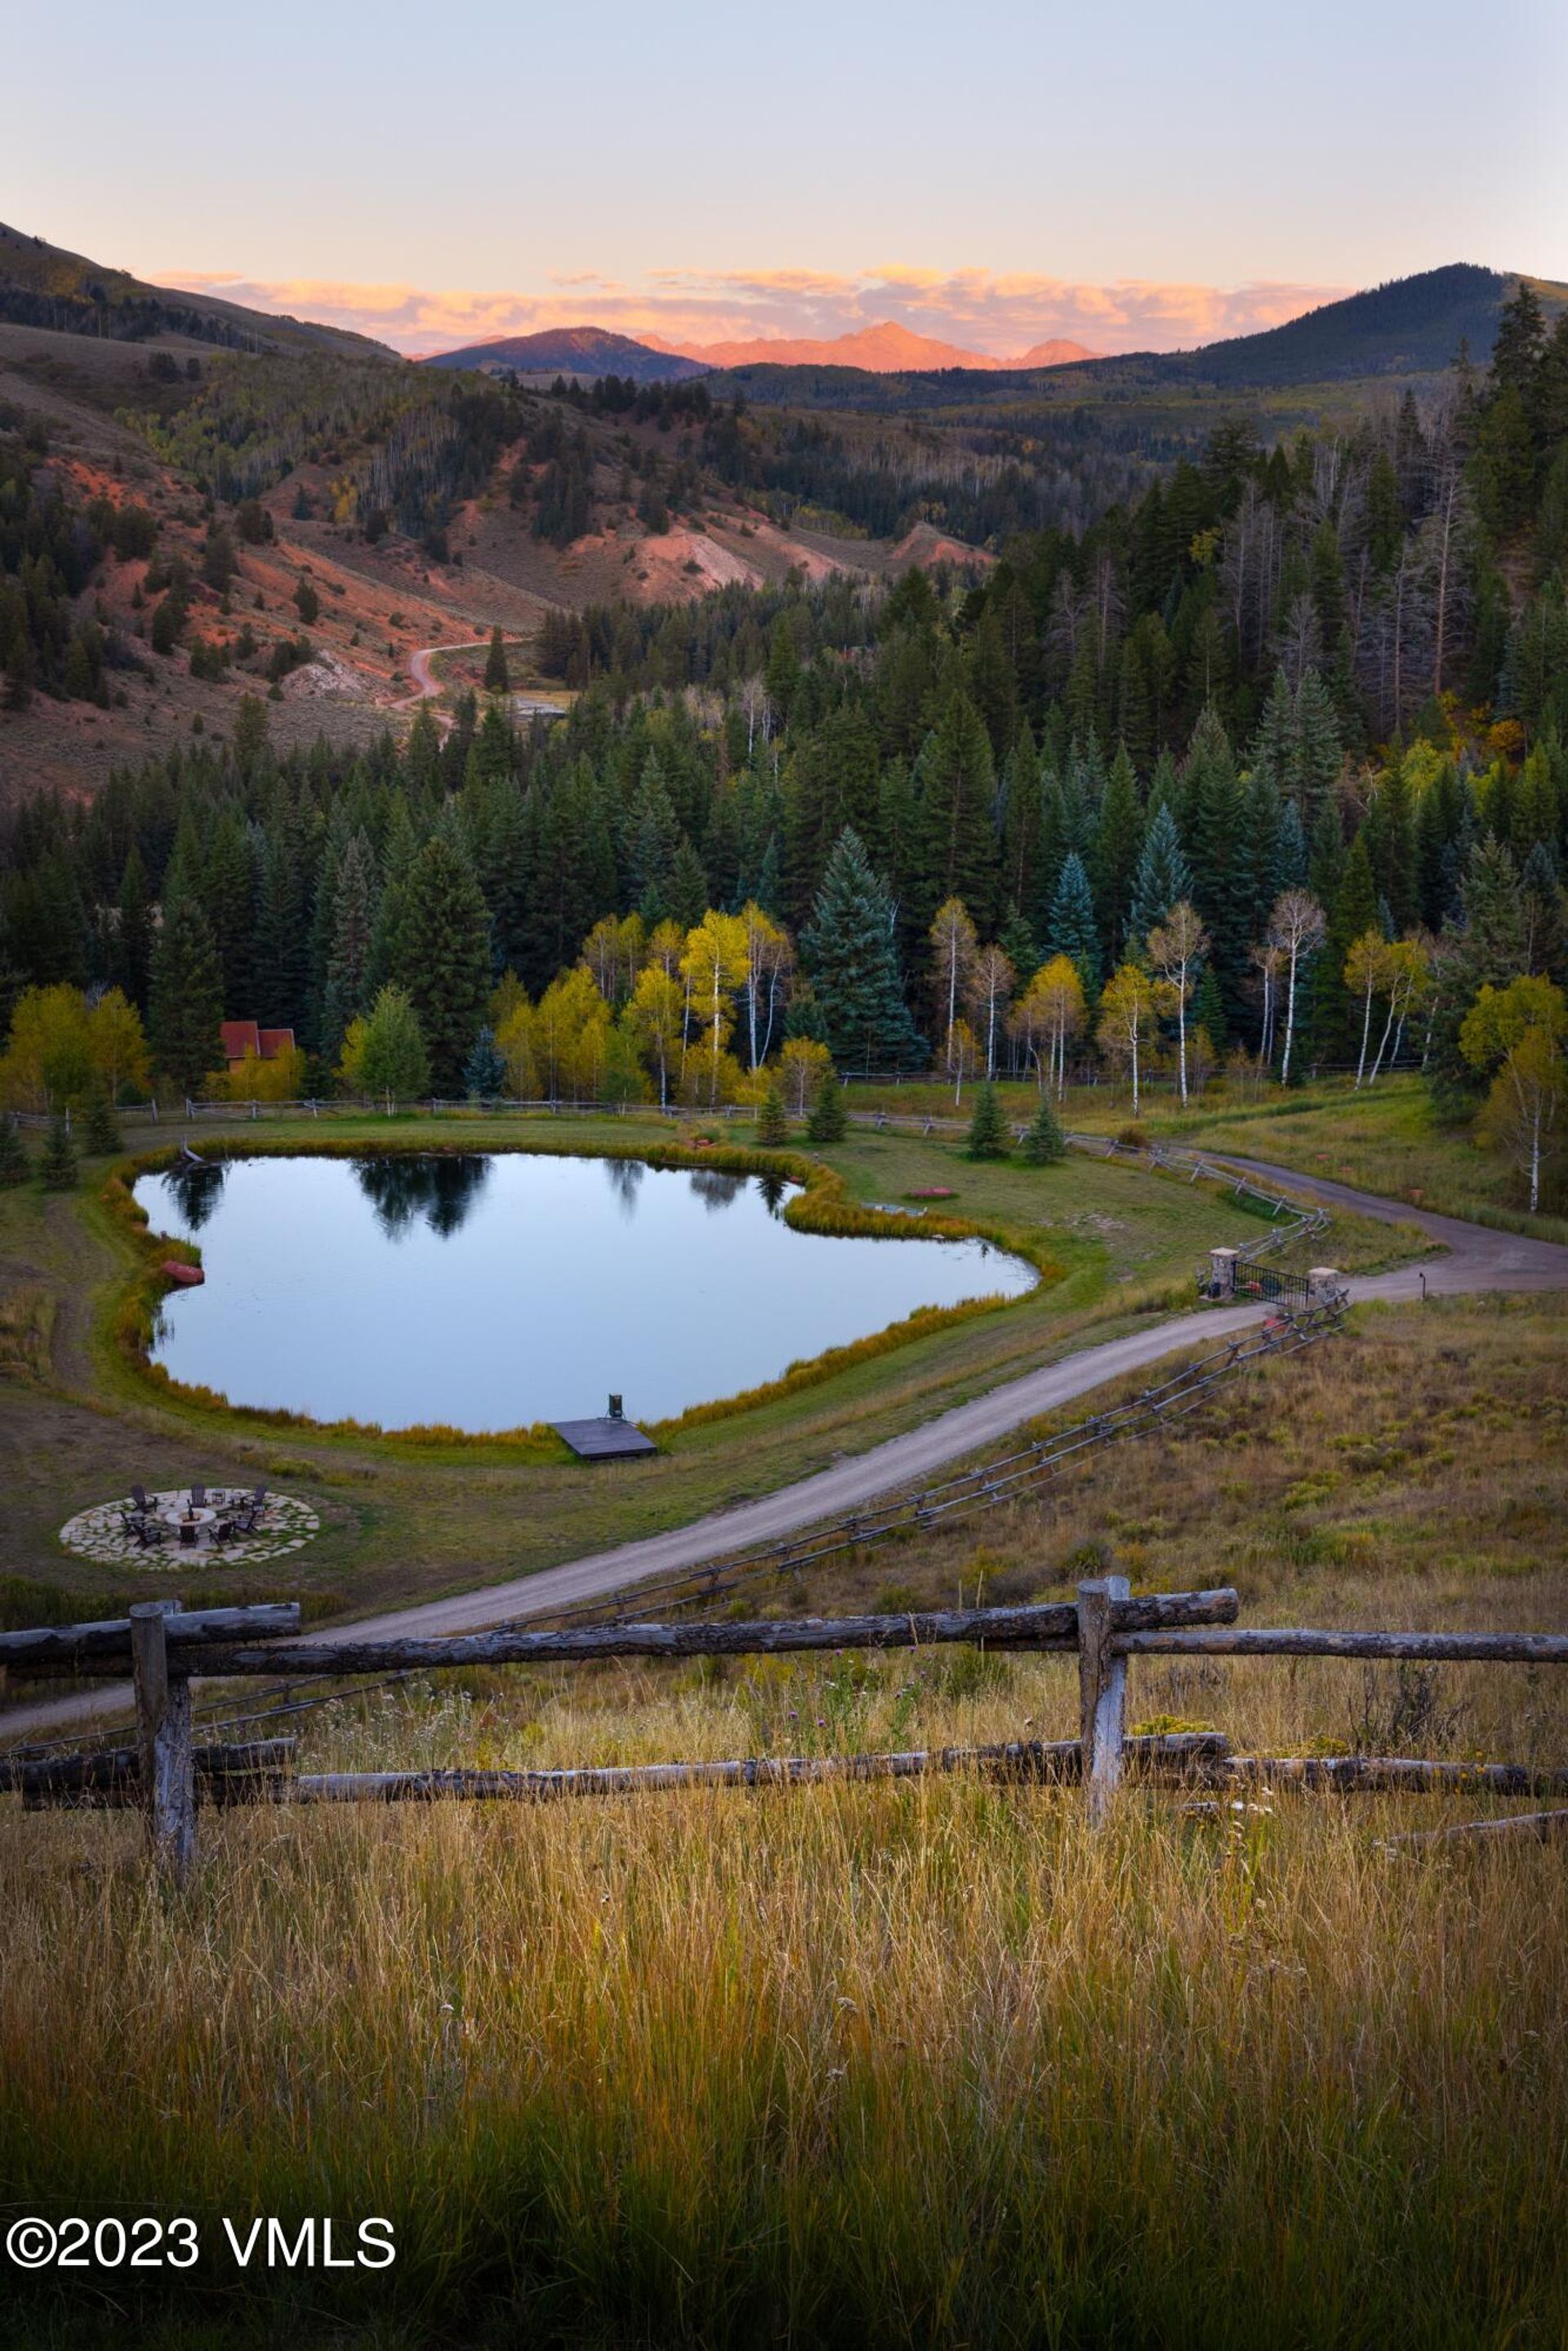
[286,1524]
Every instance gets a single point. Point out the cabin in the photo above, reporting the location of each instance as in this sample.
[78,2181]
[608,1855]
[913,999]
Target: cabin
[244,1040]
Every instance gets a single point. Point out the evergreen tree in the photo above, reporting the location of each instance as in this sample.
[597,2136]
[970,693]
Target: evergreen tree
[1118,845]
[497,677]
[849,953]
[1490,948]
[1162,878]
[1211,838]
[1318,753]
[955,847]
[1043,1142]
[133,930]
[14,1165]
[688,891]
[282,972]
[1020,821]
[988,1136]
[1354,912]
[445,959]
[653,843]
[185,996]
[485,1075]
[772,1123]
[58,1168]
[1070,927]
[352,917]
[229,901]
[103,1137]
[1209,1010]
[829,1120]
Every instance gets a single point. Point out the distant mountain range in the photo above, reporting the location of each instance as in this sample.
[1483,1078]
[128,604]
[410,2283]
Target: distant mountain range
[1411,326]
[886,348]
[571,351]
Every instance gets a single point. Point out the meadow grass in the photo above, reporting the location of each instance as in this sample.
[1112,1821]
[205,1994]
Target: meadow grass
[412,1515]
[885,2063]
[1384,1138]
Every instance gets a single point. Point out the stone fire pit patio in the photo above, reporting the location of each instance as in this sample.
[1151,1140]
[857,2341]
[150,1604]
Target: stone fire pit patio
[286,1524]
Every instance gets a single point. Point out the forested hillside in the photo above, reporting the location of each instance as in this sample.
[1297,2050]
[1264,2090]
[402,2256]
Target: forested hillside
[1271,762]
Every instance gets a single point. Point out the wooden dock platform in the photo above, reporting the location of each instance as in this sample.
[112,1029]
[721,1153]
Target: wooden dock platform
[609,1439]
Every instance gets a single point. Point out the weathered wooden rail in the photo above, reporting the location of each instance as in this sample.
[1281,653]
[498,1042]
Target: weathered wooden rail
[166,1774]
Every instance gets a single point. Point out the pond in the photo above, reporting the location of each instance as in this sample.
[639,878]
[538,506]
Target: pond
[486,1292]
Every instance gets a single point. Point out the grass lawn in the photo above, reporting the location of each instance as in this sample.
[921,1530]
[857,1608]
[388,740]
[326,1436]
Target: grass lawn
[402,1520]
[885,2064]
[1384,1139]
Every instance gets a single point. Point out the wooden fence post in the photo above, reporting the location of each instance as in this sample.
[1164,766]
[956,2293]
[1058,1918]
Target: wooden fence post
[164,1739]
[1102,1692]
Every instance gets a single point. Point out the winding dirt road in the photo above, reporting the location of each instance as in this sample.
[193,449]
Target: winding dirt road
[1476,1258]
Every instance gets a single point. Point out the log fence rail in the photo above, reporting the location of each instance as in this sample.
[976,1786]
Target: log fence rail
[165,1775]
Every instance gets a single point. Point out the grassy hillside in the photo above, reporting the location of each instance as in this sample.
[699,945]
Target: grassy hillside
[881,2065]
[43,286]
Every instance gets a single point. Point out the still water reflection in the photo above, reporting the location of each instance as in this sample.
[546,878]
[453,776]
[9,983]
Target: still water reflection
[487,1293]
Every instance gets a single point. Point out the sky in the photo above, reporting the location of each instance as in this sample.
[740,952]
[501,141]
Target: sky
[1125,173]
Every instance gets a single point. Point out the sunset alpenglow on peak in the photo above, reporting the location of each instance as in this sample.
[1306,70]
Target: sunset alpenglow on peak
[784,1177]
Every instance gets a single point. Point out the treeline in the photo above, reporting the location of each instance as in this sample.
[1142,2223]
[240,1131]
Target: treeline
[1161,728]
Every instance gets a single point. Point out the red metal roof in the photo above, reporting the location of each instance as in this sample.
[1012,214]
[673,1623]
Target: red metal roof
[243,1037]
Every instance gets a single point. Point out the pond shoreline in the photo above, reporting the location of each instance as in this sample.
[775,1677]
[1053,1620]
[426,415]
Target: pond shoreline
[810,1198]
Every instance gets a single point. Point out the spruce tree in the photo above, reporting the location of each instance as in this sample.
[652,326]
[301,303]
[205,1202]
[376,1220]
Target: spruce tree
[772,1123]
[1043,1142]
[351,939]
[829,1120]
[652,842]
[1070,926]
[445,959]
[1118,843]
[497,677]
[1211,838]
[485,1074]
[228,889]
[954,849]
[133,930]
[1163,879]
[1354,912]
[185,994]
[57,1168]
[102,1133]
[14,1165]
[688,891]
[850,958]
[988,1136]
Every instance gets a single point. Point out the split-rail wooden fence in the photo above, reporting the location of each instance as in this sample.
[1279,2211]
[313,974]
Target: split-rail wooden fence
[166,1774]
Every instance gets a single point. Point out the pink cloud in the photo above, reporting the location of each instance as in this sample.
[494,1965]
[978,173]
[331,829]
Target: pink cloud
[995,314]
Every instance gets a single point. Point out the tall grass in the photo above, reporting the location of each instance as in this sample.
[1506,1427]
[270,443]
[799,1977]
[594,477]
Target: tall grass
[876,2064]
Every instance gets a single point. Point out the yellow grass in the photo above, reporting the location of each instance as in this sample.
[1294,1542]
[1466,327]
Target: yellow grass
[885,2064]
